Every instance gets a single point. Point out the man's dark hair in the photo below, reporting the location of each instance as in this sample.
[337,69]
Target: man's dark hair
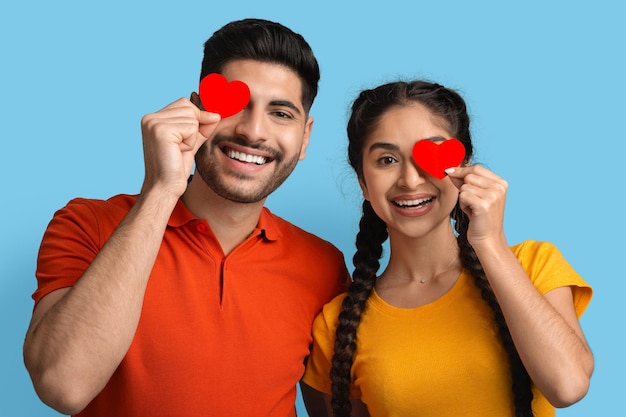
[265,41]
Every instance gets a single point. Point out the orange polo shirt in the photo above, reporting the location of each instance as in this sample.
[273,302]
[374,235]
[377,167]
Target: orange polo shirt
[218,335]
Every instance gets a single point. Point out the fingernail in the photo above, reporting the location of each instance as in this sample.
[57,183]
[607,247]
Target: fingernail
[449,170]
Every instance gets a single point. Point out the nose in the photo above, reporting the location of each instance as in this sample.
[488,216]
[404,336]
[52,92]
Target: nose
[251,124]
[410,176]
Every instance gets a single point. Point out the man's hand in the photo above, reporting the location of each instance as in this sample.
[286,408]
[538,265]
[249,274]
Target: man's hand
[171,138]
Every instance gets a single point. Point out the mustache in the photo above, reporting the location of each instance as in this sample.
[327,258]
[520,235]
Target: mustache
[220,140]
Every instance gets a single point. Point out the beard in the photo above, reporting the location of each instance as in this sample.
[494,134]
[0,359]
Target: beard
[240,187]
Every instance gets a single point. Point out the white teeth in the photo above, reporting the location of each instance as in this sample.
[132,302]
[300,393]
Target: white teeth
[243,157]
[416,202]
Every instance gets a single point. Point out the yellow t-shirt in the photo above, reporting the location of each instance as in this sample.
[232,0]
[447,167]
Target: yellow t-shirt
[441,359]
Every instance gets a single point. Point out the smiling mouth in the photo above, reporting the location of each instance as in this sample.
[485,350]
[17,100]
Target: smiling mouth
[244,157]
[419,202]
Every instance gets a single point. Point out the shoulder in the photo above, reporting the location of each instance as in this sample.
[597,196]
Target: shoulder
[118,202]
[311,255]
[115,207]
[325,325]
[328,318]
[90,216]
[297,235]
[533,246]
[534,254]
[548,269]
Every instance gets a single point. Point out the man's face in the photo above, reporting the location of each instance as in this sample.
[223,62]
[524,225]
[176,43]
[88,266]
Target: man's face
[254,151]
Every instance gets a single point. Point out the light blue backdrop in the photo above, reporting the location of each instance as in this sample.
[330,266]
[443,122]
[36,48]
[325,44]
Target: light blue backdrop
[544,82]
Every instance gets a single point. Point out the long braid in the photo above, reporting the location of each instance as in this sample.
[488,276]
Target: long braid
[522,392]
[369,244]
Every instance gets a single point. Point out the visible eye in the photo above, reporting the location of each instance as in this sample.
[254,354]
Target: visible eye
[386,160]
[282,115]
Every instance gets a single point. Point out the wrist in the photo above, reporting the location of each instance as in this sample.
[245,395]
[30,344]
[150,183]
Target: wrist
[158,202]
[495,246]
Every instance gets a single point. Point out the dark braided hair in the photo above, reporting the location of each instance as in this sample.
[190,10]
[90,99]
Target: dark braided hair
[367,111]
[369,242]
[522,392]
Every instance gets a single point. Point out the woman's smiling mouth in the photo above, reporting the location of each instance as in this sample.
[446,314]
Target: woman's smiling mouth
[418,202]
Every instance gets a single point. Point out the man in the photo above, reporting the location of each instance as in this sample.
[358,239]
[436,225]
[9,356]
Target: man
[191,298]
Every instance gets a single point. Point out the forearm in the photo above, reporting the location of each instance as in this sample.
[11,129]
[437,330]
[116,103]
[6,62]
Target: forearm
[72,349]
[546,334]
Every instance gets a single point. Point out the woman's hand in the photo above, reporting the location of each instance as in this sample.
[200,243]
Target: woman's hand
[482,197]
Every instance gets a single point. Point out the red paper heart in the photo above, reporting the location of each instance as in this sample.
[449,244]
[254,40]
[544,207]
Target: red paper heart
[434,158]
[220,96]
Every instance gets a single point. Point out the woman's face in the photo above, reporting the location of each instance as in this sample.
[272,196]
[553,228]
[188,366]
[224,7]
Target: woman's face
[409,200]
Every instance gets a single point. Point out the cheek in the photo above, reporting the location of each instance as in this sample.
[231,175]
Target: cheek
[292,142]
[371,185]
[450,194]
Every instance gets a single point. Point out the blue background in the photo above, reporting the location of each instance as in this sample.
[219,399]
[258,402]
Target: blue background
[544,82]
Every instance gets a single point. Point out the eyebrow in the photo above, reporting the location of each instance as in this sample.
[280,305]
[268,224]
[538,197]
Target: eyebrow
[383,145]
[285,103]
[436,139]
[391,147]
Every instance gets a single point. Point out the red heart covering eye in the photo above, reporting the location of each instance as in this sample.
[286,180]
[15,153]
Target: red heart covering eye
[220,96]
[434,158]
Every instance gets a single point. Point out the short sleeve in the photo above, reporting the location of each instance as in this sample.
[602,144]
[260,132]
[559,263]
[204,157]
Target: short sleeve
[548,269]
[317,372]
[68,246]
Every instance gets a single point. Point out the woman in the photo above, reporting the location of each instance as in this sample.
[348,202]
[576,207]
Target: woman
[459,323]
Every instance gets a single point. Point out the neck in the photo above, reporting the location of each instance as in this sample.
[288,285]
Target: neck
[422,259]
[231,222]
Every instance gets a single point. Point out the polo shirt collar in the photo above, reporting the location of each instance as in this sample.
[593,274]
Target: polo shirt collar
[266,227]
[181,215]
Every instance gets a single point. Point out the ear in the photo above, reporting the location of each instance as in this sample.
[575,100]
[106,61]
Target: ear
[366,194]
[308,127]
